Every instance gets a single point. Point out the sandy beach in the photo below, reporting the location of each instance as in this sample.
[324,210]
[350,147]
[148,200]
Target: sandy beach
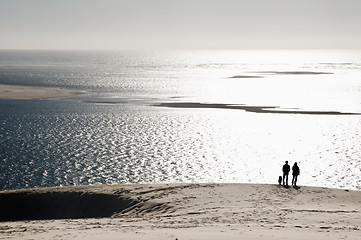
[180,211]
[25,92]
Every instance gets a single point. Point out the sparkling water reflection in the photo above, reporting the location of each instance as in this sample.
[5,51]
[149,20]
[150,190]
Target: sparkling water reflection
[117,134]
[191,145]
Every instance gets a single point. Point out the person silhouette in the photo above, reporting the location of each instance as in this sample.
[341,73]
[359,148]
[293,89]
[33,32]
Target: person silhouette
[295,173]
[285,169]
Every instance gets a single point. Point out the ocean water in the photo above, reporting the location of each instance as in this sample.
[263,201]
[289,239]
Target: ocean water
[182,116]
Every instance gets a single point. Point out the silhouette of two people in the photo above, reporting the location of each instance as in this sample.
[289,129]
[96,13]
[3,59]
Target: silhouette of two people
[295,172]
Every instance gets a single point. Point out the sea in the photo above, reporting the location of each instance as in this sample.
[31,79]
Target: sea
[182,117]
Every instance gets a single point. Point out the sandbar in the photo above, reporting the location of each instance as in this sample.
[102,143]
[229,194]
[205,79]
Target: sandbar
[27,92]
[293,72]
[249,108]
[180,211]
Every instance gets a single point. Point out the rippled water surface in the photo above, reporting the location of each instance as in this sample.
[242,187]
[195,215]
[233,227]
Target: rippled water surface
[126,130]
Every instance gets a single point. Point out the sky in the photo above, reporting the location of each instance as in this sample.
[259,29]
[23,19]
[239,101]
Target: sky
[180,24]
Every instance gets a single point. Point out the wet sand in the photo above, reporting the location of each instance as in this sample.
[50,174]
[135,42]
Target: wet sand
[180,211]
[25,92]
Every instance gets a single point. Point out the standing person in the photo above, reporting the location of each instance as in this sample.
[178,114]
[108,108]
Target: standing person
[295,173]
[286,169]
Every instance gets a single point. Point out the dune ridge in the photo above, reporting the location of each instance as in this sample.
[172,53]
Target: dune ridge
[185,211]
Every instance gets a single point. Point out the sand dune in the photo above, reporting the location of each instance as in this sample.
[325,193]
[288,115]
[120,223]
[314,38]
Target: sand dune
[183,211]
[25,92]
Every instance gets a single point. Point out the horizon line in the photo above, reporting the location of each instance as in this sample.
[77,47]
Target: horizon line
[176,49]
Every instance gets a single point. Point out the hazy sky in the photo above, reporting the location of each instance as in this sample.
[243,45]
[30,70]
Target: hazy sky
[180,24]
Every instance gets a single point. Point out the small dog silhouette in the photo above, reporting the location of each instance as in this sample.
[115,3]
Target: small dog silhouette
[279,180]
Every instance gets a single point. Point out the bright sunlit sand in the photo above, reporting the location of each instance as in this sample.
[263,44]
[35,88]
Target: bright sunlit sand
[180,211]
[25,92]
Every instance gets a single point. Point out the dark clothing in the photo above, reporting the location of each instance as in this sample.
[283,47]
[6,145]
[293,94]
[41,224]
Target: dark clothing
[294,180]
[295,170]
[286,169]
[285,179]
[295,173]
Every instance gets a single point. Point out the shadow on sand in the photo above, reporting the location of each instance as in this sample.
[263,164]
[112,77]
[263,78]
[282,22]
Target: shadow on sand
[288,186]
[60,205]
